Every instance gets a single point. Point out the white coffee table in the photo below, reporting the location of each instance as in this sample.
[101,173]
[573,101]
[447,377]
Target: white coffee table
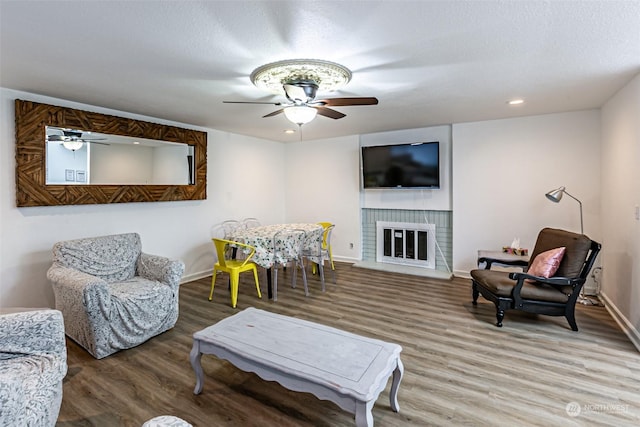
[345,368]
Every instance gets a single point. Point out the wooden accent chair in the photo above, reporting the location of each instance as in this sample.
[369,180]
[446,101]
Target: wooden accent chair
[553,296]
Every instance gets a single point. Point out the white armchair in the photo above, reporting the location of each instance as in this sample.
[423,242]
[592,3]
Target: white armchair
[114,296]
[33,362]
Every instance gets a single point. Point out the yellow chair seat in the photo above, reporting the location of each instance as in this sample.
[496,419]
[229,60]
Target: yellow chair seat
[233,267]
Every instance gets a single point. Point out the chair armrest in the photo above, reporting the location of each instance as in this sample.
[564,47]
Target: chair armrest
[37,332]
[74,290]
[160,269]
[489,261]
[75,280]
[558,281]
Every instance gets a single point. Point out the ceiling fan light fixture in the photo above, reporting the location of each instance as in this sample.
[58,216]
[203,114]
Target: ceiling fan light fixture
[300,114]
[72,144]
[328,76]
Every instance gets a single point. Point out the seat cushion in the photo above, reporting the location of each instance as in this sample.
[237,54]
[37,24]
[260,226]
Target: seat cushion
[140,309]
[499,283]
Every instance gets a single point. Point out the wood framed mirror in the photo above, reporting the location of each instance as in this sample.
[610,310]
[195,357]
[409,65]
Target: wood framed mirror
[34,125]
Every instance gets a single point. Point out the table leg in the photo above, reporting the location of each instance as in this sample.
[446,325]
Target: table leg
[195,357]
[269,290]
[364,417]
[397,377]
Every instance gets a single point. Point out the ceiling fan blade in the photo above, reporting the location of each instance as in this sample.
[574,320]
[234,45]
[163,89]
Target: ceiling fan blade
[93,141]
[328,112]
[344,102]
[251,102]
[275,113]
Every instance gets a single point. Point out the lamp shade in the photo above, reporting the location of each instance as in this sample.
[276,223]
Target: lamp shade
[555,195]
[300,114]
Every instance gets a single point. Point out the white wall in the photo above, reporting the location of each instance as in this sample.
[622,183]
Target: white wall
[322,184]
[170,164]
[245,178]
[502,170]
[439,199]
[60,159]
[620,200]
[121,164]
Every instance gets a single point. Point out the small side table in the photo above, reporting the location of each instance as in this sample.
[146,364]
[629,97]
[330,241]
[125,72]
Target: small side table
[489,258]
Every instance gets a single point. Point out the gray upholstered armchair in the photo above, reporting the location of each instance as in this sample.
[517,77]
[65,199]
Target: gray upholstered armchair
[113,296]
[33,362]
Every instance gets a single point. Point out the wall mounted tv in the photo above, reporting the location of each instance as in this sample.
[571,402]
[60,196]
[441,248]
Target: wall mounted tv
[415,165]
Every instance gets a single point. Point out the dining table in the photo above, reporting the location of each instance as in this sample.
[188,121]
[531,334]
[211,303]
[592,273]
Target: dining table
[261,238]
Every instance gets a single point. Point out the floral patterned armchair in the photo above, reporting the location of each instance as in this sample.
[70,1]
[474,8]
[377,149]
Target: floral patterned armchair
[33,362]
[114,296]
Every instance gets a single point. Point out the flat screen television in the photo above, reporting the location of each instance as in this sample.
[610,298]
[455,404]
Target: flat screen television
[415,165]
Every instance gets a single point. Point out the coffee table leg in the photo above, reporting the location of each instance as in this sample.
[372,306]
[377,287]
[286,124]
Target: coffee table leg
[195,357]
[364,417]
[397,377]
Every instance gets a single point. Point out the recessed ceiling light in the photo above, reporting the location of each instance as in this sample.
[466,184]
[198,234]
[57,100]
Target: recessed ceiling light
[289,131]
[516,102]
[136,142]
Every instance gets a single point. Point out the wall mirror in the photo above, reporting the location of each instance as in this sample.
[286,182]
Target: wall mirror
[66,156]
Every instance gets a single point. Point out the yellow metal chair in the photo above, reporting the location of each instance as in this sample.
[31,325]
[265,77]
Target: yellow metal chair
[326,240]
[233,266]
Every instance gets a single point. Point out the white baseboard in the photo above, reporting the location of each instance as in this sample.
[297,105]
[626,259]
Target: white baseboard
[346,259]
[464,274]
[405,269]
[195,276]
[622,321]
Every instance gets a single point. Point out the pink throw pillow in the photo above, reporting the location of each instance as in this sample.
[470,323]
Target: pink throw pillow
[545,264]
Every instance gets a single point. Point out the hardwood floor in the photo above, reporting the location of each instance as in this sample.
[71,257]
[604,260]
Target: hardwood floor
[459,368]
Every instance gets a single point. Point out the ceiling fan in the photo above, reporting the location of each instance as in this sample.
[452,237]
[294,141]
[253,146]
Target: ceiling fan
[71,139]
[302,105]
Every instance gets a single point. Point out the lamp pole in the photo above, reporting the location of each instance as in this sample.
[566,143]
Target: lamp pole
[580,203]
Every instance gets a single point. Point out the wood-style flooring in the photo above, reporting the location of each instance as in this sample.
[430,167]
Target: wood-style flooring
[460,369]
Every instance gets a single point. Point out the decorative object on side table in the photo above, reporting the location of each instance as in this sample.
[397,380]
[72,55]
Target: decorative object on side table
[515,248]
[515,251]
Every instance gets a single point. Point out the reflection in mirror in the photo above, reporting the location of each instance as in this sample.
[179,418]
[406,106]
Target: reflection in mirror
[79,157]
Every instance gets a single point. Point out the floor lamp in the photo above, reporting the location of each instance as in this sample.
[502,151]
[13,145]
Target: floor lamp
[555,196]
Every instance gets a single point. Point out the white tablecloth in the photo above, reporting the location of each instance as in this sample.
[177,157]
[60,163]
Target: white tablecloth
[262,239]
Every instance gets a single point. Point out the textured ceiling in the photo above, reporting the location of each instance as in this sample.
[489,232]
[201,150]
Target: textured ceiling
[428,62]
